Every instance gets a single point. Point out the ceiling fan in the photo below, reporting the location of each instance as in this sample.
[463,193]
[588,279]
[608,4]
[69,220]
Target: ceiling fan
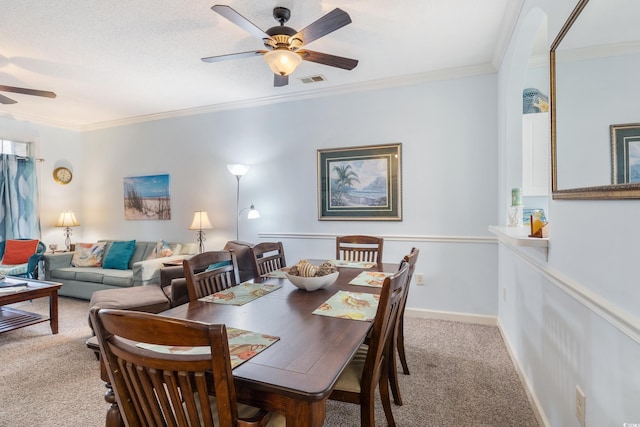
[24,91]
[284,44]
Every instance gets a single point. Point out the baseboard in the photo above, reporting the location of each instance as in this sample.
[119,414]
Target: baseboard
[531,395]
[453,316]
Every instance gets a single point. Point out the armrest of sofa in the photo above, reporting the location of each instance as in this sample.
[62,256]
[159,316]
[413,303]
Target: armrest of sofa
[148,271]
[54,261]
[173,278]
[32,264]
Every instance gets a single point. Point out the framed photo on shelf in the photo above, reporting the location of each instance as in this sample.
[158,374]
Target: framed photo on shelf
[360,183]
[625,153]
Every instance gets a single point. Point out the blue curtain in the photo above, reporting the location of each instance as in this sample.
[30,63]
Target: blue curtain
[19,213]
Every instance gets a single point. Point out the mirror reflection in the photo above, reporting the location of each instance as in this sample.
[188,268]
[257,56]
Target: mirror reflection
[596,110]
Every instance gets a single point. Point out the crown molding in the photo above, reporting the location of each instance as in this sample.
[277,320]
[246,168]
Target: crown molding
[508,27]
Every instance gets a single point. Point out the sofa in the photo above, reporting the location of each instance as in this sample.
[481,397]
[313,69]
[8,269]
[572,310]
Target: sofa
[82,282]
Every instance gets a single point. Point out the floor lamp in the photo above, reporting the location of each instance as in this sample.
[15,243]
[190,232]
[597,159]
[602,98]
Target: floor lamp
[238,170]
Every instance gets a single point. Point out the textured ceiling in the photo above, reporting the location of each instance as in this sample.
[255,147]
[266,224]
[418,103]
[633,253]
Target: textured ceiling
[115,60]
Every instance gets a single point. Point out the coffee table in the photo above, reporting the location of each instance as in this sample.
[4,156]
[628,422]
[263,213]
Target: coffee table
[13,318]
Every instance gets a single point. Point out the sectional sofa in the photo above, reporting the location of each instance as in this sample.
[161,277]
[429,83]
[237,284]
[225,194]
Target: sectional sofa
[81,282]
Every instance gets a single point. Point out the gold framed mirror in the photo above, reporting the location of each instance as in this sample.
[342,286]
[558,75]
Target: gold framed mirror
[594,92]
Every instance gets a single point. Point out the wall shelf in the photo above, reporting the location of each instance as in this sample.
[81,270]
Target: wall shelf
[518,236]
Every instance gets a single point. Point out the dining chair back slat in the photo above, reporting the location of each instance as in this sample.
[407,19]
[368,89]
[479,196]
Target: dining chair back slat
[369,366]
[155,388]
[359,248]
[210,272]
[267,257]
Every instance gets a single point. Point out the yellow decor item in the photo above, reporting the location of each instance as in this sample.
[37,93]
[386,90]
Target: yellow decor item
[542,105]
[539,228]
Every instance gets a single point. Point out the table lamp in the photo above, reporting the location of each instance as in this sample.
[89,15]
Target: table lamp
[200,222]
[67,219]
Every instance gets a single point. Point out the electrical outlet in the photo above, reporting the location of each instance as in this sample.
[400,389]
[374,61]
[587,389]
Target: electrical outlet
[580,405]
[419,278]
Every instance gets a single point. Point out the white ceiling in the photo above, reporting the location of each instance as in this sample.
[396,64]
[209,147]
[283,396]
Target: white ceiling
[116,60]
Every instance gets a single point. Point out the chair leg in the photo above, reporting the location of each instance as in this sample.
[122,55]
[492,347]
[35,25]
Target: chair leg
[400,345]
[367,409]
[383,385]
[393,375]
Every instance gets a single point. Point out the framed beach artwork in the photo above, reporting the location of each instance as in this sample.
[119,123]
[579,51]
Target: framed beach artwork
[360,183]
[147,197]
[625,153]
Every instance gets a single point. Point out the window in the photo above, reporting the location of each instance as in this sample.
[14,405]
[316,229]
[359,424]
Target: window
[15,147]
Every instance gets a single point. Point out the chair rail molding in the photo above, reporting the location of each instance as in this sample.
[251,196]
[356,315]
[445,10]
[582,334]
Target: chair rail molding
[392,238]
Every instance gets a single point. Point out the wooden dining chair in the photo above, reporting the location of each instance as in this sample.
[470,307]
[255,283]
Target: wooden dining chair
[267,257]
[154,388]
[398,342]
[359,248]
[210,272]
[369,367]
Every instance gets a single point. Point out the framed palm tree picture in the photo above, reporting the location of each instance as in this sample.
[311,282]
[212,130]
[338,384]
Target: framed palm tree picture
[360,183]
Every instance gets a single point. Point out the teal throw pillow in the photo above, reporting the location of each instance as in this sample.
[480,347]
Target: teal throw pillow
[119,255]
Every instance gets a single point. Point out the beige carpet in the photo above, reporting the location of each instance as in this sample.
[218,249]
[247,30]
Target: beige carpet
[461,375]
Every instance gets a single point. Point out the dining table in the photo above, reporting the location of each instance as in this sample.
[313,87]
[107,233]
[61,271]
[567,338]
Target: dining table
[296,374]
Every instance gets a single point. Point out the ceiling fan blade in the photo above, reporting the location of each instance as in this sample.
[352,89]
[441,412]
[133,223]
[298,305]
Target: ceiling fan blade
[238,55]
[330,22]
[5,100]
[240,21]
[330,60]
[24,91]
[279,81]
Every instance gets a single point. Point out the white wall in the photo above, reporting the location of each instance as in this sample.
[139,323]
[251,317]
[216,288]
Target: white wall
[448,135]
[572,320]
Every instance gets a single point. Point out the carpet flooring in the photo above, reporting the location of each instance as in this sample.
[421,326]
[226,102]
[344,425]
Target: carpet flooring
[461,375]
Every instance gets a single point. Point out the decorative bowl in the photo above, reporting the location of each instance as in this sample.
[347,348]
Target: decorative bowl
[313,283]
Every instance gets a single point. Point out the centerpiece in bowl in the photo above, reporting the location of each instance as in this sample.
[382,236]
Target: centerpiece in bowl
[309,277]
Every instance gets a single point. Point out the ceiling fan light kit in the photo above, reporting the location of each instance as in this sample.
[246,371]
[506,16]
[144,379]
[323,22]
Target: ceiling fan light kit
[284,43]
[282,61]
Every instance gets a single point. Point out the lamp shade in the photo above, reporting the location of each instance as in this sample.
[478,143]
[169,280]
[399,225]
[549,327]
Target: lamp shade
[253,213]
[237,169]
[282,61]
[67,219]
[200,221]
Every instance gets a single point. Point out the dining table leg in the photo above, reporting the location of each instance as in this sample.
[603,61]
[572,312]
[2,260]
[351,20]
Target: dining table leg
[300,413]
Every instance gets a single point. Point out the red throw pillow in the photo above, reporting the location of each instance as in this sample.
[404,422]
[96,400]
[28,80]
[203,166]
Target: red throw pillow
[18,251]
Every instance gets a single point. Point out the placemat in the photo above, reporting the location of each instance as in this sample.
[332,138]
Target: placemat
[243,345]
[374,279]
[350,305]
[241,294]
[279,274]
[352,264]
